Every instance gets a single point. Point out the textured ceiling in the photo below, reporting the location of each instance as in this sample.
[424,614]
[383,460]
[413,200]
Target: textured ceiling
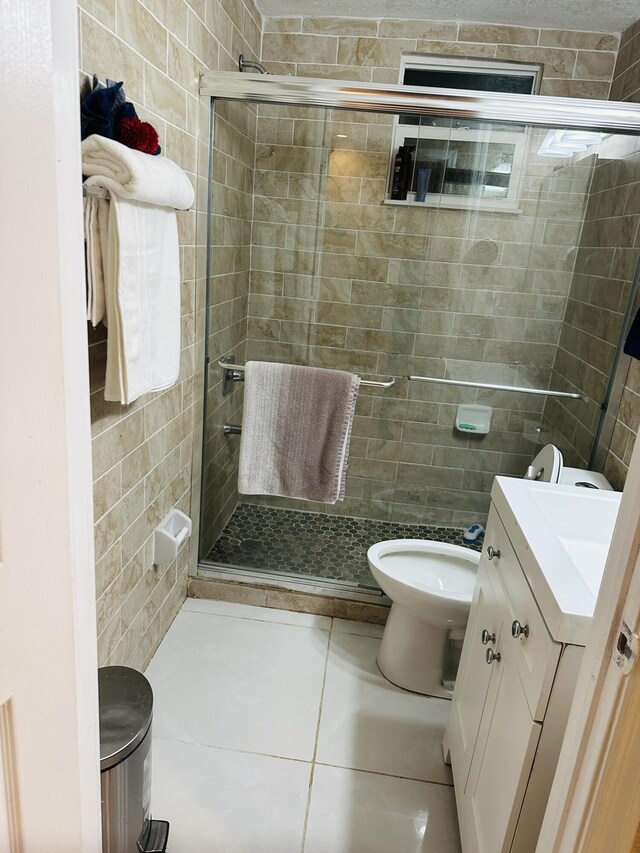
[610,16]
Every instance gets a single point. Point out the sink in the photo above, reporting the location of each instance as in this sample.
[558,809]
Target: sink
[583,527]
[562,535]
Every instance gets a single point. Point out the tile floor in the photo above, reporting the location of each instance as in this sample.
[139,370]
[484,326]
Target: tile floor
[274,732]
[313,544]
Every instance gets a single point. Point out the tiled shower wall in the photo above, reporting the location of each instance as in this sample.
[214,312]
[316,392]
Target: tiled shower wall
[626,87]
[386,287]
[142,452]
[388,291]
[605,265]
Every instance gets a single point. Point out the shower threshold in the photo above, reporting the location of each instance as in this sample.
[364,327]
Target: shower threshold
[308,551]
[292,583]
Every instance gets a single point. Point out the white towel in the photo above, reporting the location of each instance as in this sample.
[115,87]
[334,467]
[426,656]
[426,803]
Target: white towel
[136,246]
[96,222]
[142,300]
[134,174]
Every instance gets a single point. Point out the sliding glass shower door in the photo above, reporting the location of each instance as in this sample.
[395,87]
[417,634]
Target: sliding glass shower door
[466,275]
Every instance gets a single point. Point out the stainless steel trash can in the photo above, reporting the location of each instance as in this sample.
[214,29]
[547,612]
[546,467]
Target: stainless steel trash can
[126,712]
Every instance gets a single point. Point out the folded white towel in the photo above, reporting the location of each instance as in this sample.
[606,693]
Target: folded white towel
[142,274]
[134,174]
[133,259]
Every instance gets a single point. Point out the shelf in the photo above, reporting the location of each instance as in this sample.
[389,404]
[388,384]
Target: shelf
[458,202]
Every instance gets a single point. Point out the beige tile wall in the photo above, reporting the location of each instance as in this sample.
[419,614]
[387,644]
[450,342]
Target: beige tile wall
[577,64]
[143,452]
[363,286]
[619,206]
[387,290]
[605,264]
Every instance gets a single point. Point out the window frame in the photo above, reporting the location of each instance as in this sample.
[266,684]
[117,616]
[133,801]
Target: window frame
[516,138]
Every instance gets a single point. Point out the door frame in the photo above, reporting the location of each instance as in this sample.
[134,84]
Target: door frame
[49,733]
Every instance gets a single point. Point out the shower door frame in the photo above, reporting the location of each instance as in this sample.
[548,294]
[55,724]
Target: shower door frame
[534,110]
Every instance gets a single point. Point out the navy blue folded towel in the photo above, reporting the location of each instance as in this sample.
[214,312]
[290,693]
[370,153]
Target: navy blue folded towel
[101,110]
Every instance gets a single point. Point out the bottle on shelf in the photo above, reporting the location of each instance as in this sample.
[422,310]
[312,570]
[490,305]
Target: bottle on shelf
[398,180]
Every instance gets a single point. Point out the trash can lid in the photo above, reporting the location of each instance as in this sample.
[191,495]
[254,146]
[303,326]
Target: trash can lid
[126,708]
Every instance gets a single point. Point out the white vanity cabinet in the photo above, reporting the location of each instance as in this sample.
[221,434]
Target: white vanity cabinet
[509,707]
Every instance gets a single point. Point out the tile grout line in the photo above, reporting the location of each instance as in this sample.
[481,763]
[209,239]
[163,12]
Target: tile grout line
[315,745]
[385,775]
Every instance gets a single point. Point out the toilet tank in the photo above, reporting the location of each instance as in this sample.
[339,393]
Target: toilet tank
[584,479]
[548,467]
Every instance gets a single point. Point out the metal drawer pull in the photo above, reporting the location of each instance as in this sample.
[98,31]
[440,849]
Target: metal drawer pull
[491,553]
[491,656]
[518,630]
[487,637]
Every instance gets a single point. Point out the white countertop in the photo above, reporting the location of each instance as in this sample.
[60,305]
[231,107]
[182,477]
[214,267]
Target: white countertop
[561,535]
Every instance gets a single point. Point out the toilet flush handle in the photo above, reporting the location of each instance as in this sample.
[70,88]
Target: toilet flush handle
[491,553]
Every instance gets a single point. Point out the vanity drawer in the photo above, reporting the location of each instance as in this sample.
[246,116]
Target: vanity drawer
[534,652]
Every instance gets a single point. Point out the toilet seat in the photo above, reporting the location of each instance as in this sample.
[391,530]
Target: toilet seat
[436,568]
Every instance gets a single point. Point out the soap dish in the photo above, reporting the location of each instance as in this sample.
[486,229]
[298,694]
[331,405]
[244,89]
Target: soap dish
[471,418]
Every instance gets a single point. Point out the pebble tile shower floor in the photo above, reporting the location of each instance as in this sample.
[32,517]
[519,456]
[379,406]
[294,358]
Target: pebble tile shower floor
[312,544]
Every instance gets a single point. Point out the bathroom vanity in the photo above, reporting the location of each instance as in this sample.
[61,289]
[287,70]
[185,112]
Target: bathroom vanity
[538,580]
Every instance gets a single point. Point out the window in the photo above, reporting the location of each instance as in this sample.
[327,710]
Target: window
[460,163]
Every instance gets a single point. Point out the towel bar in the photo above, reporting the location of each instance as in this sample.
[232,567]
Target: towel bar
[232,429]
[490,386]
[233,373]
[97,192]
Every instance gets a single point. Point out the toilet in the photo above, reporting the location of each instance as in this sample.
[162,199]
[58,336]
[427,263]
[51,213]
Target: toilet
[548,467]
[431,586]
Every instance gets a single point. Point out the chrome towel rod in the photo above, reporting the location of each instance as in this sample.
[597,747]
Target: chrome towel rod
[95,192]
[540,391]
[239,368]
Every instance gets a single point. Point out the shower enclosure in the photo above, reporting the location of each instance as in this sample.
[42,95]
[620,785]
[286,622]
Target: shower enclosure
[496,280]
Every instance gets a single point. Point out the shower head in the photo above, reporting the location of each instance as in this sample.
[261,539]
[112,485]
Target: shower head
[245,64]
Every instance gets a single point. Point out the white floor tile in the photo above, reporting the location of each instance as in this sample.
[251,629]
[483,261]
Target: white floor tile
[261,614]
[355,812]
[228,802]
[239,684]
[364,629]
[369,724]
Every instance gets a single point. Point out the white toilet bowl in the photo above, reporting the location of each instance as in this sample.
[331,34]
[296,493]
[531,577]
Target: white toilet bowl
[431,586]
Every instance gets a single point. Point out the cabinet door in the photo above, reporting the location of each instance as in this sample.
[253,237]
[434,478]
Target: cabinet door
[502,762]
[473,678]
[534,652]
